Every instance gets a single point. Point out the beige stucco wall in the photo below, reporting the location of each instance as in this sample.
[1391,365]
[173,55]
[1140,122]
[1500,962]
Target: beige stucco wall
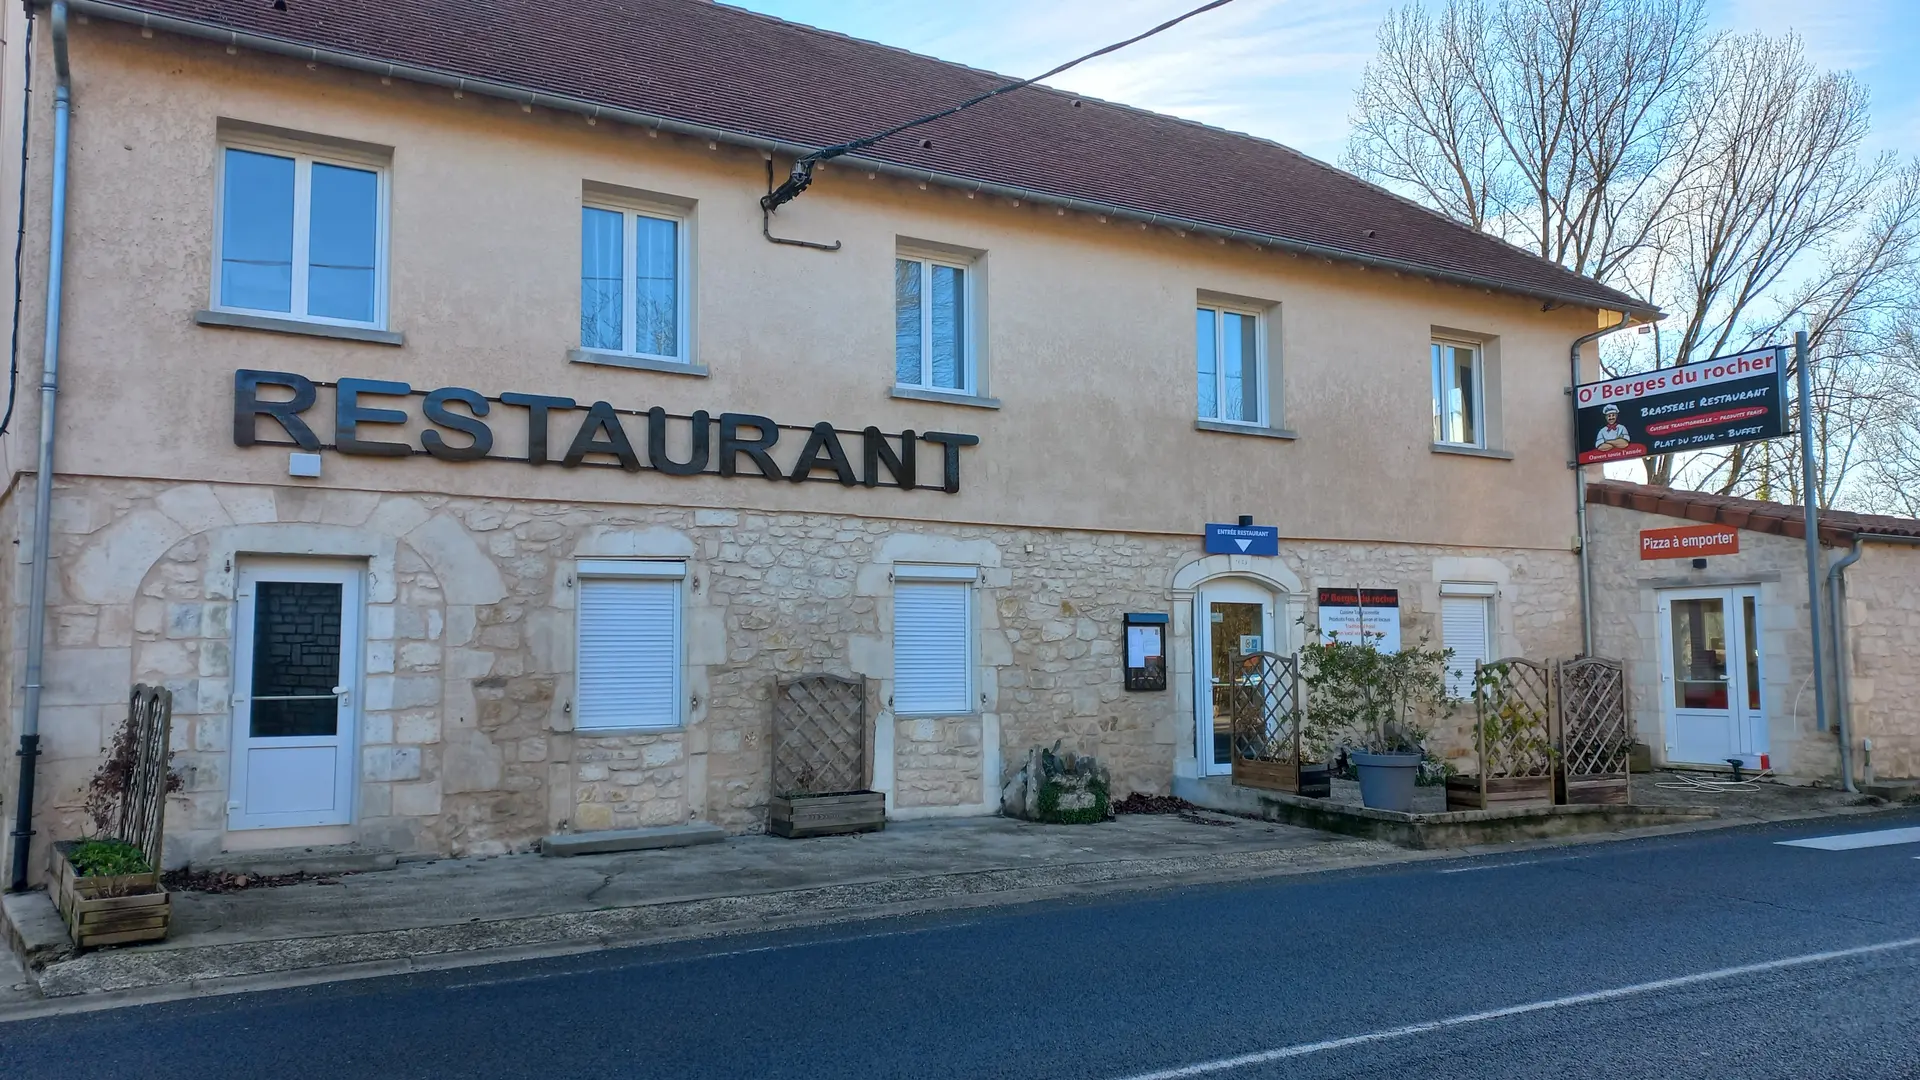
[1089,325]
[1626,596]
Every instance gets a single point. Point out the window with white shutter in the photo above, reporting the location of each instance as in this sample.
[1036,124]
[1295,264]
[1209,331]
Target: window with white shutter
[932,641]
[629,645]
[1465,625]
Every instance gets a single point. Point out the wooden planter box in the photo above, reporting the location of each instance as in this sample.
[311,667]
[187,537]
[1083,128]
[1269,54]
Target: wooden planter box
[1313,779]
[1605,790]
[107,910]
[827,815]
[1465,793]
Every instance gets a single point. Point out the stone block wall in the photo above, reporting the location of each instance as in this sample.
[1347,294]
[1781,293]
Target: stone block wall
[467,744]
[1882,619]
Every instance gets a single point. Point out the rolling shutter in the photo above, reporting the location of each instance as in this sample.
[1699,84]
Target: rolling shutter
[629,673]
[932,660]
[1464,629]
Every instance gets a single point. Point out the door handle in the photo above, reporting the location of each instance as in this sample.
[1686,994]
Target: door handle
[344,694]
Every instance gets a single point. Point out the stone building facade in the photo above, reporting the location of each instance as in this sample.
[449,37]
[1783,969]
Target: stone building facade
[465,744]
[1391,405]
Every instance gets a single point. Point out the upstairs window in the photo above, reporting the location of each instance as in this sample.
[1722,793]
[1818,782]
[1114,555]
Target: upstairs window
[632,282]
[1231,365]
[302,236]
[1458,394]
[933,347]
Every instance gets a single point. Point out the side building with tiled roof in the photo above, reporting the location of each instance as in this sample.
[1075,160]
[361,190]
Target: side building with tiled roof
[443,422]
[1705,599]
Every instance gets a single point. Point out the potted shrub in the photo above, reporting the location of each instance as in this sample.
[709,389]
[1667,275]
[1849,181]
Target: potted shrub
[106,886]
[1375,700]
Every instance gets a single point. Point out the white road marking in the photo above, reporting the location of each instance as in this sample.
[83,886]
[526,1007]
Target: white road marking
[1593,998]
[1853,841]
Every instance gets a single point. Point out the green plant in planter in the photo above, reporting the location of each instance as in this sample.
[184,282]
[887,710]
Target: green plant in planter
[1373,701]
[107,858]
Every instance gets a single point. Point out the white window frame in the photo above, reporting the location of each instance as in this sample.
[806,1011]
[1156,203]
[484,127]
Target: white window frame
[969,366]
[1259,392]
[960,577]
[668,570]
[305,156]
[629,209]
[1444,385]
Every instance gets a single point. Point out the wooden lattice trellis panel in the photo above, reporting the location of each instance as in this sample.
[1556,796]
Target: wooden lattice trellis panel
[819,736]
[1512,737]
[1595,742]
[1263,707]
[143,807]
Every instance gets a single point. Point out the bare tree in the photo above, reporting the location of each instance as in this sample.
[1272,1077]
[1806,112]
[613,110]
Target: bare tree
[1716,176]
[1549,122]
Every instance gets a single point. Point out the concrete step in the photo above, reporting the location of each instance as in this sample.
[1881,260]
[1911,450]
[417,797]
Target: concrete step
[279,862]
[34,928]
[661,836]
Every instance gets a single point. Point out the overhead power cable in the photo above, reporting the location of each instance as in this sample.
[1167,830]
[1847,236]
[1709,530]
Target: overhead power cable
[802,174]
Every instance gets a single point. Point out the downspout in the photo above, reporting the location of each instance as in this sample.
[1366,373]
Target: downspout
[1580,485]
[43,478]
[1843,680]
[1842,665]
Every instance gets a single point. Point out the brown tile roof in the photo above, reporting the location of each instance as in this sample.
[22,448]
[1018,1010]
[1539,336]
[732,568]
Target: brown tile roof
[1837,527]
[759,80]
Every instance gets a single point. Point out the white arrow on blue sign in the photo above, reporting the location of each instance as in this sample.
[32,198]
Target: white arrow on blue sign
[1243,539]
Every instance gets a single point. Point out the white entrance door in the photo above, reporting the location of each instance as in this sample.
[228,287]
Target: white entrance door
[1229,617]
[296,669]
[1710,676]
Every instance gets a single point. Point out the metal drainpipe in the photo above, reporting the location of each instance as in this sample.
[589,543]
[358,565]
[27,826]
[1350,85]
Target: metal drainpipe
[43,478]
[1842,668]
[1843,712]
[1580,488]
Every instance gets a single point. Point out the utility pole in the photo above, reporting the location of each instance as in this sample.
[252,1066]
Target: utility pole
[1810,495]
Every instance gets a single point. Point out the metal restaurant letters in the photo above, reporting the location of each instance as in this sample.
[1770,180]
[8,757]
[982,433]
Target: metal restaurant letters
[601,439]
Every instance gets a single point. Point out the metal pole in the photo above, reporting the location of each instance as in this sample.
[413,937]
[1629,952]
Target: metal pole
[1580,482]
[43,475]
[1810,495]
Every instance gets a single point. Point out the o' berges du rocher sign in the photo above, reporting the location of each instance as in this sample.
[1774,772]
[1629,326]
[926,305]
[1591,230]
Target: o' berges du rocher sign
[1717,402]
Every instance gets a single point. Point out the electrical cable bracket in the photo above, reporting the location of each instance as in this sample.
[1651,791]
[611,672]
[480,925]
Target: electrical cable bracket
[801,177]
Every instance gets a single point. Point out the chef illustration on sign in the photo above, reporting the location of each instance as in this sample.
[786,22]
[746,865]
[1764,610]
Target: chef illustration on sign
[1614,435]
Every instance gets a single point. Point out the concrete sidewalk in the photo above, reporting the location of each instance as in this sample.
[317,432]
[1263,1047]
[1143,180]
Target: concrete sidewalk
[444,913]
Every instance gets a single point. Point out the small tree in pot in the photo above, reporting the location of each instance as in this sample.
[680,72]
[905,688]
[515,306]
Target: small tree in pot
[1377,701]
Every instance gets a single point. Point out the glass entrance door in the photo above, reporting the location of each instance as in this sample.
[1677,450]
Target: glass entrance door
[1231,618]
[296,664]
[1710,676]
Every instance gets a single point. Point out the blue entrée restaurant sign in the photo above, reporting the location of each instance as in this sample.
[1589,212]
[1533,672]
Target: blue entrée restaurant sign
[1243,539]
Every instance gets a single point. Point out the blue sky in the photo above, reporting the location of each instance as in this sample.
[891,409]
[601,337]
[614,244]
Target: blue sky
[1286,69]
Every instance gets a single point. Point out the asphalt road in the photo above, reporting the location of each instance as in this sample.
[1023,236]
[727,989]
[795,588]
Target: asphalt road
[1717,954]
